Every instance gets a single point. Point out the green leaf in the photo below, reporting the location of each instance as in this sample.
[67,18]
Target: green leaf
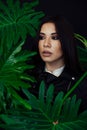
[21,100]
[18,19]
[32,99]
[6,119]
[56,105]
[49,98]
[81,38]
[82,51]
[42,91]
[39,119]
[70,109]
[13,66]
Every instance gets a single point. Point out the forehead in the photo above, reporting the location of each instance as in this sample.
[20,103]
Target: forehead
[48,28]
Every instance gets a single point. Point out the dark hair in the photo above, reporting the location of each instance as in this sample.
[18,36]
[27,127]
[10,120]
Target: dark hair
[66,34]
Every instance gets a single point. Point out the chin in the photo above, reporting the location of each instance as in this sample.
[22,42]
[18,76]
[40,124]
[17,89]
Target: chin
[45,60]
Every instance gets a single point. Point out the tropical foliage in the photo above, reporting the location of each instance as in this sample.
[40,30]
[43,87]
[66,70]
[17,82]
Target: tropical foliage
[47,113]
[17,20]
[82,50]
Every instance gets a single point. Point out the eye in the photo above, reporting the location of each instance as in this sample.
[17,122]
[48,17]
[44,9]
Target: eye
[41,37]
[55,37]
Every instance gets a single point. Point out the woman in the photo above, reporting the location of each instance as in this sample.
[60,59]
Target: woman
[58,62]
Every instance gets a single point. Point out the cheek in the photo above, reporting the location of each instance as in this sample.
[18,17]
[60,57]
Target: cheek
[58,50]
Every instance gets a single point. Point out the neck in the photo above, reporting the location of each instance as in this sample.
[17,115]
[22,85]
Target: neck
[53,66]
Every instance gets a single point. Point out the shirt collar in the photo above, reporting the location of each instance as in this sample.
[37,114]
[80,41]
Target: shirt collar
[56,72]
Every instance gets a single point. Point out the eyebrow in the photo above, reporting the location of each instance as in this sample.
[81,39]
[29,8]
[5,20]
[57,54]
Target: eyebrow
[51,33]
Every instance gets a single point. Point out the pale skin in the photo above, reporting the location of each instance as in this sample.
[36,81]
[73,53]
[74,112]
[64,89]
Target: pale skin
[50,47]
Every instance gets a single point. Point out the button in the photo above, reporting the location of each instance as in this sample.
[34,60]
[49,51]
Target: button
[73,78]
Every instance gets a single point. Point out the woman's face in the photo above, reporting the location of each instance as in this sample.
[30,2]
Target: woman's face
[49,44]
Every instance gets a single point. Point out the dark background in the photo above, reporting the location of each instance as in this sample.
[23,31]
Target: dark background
[74,10]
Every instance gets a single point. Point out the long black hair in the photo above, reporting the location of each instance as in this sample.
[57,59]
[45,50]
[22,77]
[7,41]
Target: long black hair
[66,34]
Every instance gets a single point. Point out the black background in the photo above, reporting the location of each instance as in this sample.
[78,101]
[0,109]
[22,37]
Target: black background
[74,10]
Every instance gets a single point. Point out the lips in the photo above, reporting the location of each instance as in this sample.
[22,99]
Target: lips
[46,53]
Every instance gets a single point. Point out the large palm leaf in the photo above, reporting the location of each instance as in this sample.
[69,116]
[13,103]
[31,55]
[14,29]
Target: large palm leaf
[82,51]
[45,113]
[17,20]
[12,74]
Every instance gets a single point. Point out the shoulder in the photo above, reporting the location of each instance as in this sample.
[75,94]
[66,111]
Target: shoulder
[83,82]
[81,88]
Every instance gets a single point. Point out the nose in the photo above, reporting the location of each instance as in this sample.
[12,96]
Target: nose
[47,42]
